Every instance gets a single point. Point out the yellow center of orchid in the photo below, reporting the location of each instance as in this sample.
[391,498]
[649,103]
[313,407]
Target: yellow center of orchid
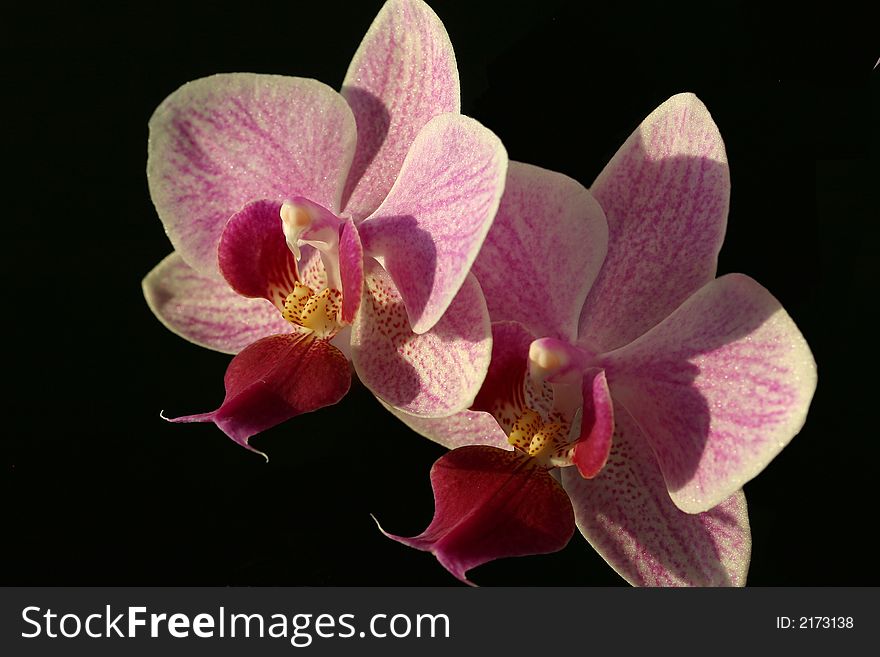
[316,312]
[547,442]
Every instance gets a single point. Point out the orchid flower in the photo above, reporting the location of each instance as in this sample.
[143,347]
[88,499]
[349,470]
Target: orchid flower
[638,392]
[310,226]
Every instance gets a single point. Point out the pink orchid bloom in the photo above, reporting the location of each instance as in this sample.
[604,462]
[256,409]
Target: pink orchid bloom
[618,357]
[310,225]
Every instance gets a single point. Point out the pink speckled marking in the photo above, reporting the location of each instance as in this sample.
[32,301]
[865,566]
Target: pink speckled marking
[718,388]
[433,374]
[253,253]
[275,379]
[427,232]
[543,252]
[665,195]
[402,75]
[489,504]
[205,310]
[220,142]
[627,516]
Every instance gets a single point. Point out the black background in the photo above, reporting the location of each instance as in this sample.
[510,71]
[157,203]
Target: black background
[97,489]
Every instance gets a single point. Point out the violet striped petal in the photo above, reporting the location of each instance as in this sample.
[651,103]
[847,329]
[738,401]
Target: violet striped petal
[627,516]
[205,310]
[275,379]
[488,504]
[718,388]
[543,252]
[665,194]
[253,253]
[351,268]
[402,75]
[220,142]
[429,229]
[432,374]
[458,430]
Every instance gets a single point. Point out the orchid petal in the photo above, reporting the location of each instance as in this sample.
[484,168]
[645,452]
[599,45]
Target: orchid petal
[718,388]
[253,253]
[458,430]
[402,75]
[665,195]
[627,516]
[275,379]
[433,374]
[597,425]
[351,267]
[222,141]
[502,392]
[543,252]
[490,503]
[205,311]
[429,229]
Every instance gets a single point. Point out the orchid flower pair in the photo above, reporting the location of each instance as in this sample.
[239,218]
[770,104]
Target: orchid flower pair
[619,388]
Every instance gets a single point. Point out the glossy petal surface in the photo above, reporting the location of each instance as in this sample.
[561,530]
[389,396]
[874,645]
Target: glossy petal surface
[543,252]
[627,516]
[665,195]
[433,374]
[205,310]
[220,142]
[489,504]
[718,388]
[427,232]
[402,75]
[275,379]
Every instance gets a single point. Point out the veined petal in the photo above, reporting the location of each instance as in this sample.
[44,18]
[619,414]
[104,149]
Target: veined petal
[627,516]
[351,268]
[458,430]
[205,310]
[543,252]
[274,380]
[502,393]
[433,374]
[490,503]
[597,425]
[402,75]
[665,194]
[429,229]
[253,253]
[718,388]
[220,142]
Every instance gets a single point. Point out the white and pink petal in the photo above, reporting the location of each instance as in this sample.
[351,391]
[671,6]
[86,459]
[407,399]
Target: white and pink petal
[432,374]
[219,142]
[627,516]
[402,75]
[428,230]
[205,311]
[719,388]
[665,195]
[543,252]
